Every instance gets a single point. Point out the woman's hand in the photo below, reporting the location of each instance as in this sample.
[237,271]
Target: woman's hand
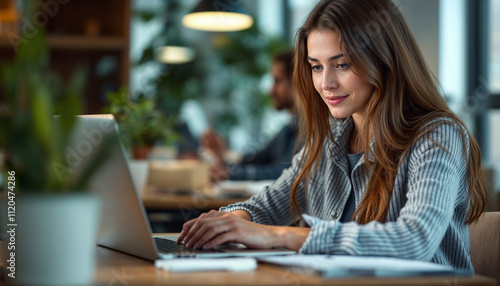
[214,228]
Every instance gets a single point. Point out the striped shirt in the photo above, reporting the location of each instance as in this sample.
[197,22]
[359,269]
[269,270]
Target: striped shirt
[427,211]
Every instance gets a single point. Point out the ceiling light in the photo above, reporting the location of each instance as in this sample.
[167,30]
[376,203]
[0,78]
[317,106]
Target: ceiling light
[218,15]
[174,55]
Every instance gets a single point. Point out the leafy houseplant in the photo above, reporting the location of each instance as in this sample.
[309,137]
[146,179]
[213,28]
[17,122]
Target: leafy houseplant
[56,217]
[141,124]
[32,141]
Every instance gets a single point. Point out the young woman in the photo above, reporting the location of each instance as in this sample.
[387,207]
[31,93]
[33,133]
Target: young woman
[387,169]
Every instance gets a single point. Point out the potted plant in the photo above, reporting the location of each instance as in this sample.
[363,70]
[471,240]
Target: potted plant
[141,124]
[48,219]
[141,127]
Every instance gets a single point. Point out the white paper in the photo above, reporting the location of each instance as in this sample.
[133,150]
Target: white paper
[341,265]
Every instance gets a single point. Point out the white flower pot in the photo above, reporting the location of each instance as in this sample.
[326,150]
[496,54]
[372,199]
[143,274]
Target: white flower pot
[54,238]
[139,170]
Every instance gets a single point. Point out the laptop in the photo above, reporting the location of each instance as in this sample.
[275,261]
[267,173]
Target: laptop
[124,225]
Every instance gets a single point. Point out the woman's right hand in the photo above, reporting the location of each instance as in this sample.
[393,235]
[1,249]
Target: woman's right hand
[216,227]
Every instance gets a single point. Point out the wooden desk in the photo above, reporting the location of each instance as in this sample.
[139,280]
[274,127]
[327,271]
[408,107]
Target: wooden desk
[115,268]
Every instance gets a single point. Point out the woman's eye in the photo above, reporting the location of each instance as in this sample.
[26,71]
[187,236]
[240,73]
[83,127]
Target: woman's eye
[316,68]
[343,66]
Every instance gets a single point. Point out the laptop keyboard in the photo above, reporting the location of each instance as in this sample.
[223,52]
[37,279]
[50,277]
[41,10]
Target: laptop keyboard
[171,247]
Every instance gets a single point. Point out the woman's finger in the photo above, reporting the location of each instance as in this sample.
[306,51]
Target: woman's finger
[230,236]
[192,230]
[209,231]
[198,223]
[205,226]
[185,229]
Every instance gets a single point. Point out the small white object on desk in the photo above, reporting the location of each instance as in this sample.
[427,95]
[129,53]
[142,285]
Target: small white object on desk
[202,264]
[242,188]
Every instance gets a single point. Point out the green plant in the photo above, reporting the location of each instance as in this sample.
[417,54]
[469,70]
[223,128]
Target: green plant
[141,124]
[33,142]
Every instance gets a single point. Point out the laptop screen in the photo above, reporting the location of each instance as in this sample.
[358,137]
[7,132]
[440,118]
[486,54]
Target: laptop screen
[124,225]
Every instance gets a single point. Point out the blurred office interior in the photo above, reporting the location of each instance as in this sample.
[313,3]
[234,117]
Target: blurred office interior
[167,82]
[224,83]
[460,41]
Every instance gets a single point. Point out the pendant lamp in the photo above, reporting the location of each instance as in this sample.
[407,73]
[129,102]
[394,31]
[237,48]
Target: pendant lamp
[174,54]
[175,50]
[218,16]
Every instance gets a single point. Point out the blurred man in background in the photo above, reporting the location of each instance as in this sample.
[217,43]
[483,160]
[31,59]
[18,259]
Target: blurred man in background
[268,162]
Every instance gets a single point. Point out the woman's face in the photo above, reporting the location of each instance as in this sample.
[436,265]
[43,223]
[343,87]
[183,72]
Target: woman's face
[344,92]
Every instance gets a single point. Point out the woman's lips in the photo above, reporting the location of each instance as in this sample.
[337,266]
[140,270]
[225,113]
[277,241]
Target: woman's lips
[334,100]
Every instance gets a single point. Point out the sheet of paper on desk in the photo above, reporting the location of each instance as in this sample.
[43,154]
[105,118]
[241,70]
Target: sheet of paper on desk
[345,266]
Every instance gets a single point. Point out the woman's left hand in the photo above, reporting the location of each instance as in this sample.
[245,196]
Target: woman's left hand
[215,227]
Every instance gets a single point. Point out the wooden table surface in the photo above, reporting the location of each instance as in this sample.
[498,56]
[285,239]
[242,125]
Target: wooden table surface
[115,268]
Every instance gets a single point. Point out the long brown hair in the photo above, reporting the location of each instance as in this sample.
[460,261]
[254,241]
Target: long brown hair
[380,49]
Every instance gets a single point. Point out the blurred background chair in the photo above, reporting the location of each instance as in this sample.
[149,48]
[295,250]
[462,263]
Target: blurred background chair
[493,204]
[485,245]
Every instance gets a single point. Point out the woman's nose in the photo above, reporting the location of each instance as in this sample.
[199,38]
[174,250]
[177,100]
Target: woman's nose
[329,80]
